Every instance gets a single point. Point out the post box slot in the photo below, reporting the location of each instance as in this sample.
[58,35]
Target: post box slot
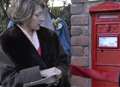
[108,17]
[108,28]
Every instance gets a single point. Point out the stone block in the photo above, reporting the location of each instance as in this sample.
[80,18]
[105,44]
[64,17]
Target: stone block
[79,82]
[84,40]
[75,40]
[78,1]
[86,51]
[80,60]
[76,31]
[85,30]
[81,40]
[78,20]
[77,8]
[77,51]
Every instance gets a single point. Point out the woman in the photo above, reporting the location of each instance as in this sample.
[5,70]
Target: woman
[28,45]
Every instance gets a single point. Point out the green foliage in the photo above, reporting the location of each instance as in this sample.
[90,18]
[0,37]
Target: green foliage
[3,16]
[56,11]
[63,12]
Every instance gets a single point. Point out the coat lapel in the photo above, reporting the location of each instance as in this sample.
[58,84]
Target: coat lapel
[26,40]
[31,48]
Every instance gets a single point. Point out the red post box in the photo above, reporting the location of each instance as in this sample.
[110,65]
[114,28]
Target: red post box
[105,40]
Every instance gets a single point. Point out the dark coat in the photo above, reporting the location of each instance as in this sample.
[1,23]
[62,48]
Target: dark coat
[23,54]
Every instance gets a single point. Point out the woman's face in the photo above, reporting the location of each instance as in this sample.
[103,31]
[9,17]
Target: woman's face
[37,19]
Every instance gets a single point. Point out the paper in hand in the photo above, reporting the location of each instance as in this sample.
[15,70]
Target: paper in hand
[51,72]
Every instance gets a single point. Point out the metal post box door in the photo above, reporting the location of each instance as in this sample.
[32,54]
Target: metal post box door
[105,40]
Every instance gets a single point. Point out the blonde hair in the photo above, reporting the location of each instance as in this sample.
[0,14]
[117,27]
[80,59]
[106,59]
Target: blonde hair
[22,10]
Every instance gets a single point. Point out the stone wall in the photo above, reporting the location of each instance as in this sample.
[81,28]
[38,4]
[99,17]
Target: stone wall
[80,39]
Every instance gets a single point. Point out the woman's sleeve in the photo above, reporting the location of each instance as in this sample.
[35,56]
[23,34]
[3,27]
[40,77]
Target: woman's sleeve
[63,60]
[11,78]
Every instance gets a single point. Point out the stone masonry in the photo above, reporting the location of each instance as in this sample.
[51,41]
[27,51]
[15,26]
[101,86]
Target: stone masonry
[79,40]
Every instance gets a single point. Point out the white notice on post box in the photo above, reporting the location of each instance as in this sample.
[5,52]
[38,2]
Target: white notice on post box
[111,42]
